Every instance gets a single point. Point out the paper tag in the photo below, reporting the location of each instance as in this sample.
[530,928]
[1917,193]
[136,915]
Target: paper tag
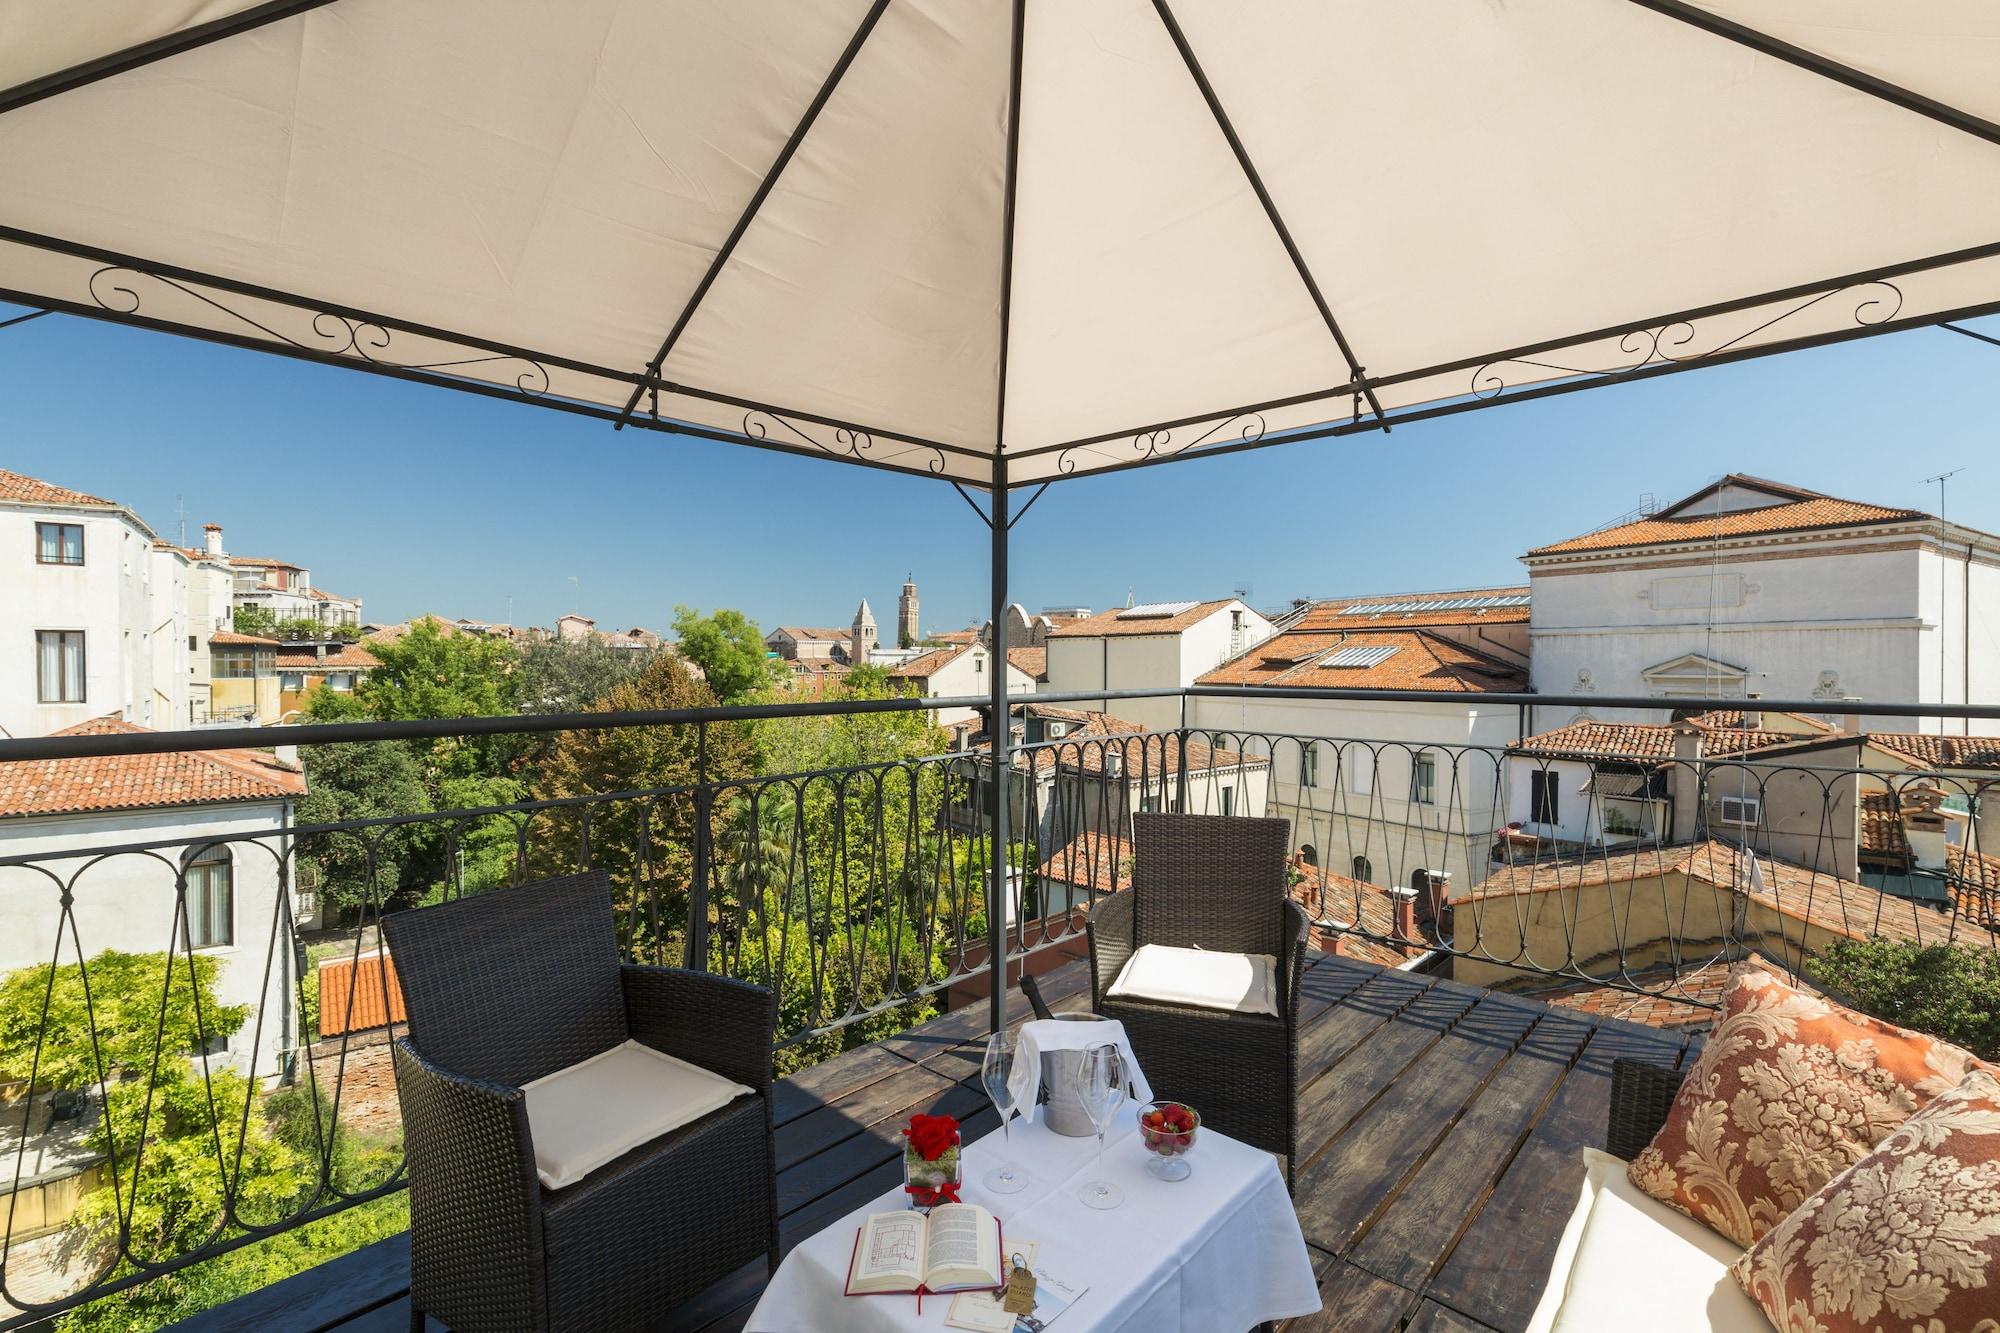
[1020,1294]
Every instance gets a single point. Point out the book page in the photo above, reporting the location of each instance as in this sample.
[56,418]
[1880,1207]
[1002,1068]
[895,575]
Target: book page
[889,1256]
[981,1311]
[964,1248]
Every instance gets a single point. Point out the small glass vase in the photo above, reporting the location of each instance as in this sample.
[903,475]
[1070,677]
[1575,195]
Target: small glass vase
[934,1182]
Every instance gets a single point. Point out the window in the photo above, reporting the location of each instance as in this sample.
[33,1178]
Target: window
[342,681]
[1543,802]
[1309,853]
[233,663]
[211,900]
[1309,764]
[1149,804]
[1423,778]
[59,543]
[1228,800]
[1739,809]
[59,666]
[292,681]
[194,645]
[1364,770]
[1363,870]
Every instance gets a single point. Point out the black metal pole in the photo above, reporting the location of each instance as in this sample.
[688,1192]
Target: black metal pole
[1003,766]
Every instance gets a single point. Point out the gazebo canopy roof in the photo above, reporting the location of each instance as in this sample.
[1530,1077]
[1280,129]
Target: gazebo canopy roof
[1080,233]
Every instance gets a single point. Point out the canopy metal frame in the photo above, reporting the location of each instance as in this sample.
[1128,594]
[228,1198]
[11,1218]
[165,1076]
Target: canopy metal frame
[328,333]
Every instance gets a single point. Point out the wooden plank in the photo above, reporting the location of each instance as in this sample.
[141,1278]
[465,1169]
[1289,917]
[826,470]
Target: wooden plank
[819,1085]
[1373,1061]
[827,1171]
[1409,1238]
[1434,1318]
[1346,1025]
[1500,1264]
[1356,1177]
[1352,1301]
[320,1297]
[852,1114]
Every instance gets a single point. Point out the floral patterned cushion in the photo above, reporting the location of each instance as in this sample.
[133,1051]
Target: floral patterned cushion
[1790,1090]
[1907,1240]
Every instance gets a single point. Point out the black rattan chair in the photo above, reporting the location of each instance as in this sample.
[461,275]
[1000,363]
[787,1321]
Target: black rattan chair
[1211,882]
[517,983]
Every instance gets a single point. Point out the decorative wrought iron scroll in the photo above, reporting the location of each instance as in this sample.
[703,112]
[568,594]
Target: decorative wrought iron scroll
[118,289]
[1149,444]
[1674,343]
[843,442]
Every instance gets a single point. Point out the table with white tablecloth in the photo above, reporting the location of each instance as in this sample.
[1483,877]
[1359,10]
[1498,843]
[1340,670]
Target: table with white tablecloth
[1219,1252]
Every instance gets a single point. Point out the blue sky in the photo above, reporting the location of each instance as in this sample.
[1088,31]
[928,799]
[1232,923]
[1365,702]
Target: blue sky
[419,499]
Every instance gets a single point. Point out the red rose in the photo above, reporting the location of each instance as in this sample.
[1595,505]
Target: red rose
[930,1135]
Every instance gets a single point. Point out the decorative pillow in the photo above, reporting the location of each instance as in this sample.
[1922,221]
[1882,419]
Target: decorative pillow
[1906,1239]
[1790,1090]
[1242,983]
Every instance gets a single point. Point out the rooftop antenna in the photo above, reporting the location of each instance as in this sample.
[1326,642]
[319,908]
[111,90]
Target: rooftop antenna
[1944,599]
[180,513]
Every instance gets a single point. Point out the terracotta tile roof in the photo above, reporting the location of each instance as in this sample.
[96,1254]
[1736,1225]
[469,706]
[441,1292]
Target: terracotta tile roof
[259,562]
[1420,660]
[822,634]
[1030,662]
[322,595]
[228,638]
[1824,901]
[923,668]
[1882,832]
[1974,880]
[1793,510]
[960,636]
[1107,623]
[1098,861]
[14,486]
[1722,731]
[1333,613]
[350,657]
[140,781]
[1339,906]
[1939,751]
[1685,1001]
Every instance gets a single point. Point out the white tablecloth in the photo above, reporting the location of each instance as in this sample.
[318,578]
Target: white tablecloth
[1057,1034]
[1219,1252]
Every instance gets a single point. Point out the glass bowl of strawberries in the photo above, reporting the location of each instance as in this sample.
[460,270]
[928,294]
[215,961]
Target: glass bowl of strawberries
[1167,1130]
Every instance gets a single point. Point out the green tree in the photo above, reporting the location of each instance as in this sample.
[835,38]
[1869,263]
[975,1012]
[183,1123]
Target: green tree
[645,842]
[728,648]
[431,672]
[255,620]
[1947,990]
[132,1004]
[567,676]
[355,780]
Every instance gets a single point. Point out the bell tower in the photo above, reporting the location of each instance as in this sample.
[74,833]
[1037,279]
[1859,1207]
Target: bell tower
[861,646]
[907,631]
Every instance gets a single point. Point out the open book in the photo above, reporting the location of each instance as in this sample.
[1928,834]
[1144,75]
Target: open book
[956,1248]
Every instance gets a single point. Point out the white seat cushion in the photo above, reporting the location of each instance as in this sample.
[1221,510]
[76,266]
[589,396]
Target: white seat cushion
[1242,983]
[583,1116]
[1629,1262]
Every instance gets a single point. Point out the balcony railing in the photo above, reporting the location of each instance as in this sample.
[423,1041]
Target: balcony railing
[859,894]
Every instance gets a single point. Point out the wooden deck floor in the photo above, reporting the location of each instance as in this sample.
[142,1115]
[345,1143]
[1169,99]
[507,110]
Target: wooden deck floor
[1441,1125]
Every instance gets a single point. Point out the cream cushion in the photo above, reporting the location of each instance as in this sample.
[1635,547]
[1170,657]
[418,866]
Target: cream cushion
[1629,1262]
[1243,983]
[584,1116]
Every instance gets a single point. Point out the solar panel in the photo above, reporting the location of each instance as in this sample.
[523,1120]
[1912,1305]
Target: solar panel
[1373,655]
[1156,610]
[1436,604]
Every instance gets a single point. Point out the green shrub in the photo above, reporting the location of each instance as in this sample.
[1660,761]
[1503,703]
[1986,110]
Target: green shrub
[1947,990]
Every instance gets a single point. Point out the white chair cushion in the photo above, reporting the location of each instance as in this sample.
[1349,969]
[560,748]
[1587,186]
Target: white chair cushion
[1242,983]
[584,1116]
[1629,1262]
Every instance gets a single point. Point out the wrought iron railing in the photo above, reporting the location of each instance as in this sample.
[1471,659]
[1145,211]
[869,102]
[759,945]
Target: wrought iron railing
[239,1040]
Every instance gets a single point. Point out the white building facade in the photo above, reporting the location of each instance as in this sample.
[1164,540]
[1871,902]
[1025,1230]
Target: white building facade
[1158,646]
[93,613]
[1756,589]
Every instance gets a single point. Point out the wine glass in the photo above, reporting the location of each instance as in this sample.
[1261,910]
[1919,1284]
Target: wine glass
[994,1073]
[1100,1088]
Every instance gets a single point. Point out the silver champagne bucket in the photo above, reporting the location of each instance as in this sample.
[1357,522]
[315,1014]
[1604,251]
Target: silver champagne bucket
[1062,1111]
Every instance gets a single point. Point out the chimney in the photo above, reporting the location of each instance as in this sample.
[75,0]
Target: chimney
[1928,825]
[213,538]
[1404,903]
[1433,890]
[1684,783]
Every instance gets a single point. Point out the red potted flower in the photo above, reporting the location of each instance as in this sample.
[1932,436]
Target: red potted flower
[931,1171]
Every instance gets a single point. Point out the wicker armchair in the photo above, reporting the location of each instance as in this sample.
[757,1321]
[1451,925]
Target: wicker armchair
[1212,882]
[511,985]
[1641,1096]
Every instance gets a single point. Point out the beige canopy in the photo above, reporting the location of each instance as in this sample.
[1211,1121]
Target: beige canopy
[1070,234]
